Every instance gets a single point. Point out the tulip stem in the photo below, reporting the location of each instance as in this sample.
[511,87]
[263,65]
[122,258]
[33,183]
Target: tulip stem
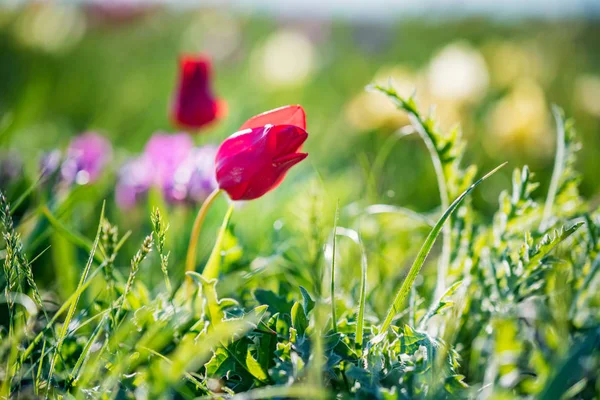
[190,261]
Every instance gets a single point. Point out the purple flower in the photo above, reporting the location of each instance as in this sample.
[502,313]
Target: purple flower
[165,153]
[183,173]
[11,168]
[195,178]
[49,163]
[134,181]
[86,157]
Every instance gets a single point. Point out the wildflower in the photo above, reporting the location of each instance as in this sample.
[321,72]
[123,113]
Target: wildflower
[134,181]
[254,160]
[287,60]
[86,157]
[458,73]
[194,104]
[164,153]
[183,173]
[194,179]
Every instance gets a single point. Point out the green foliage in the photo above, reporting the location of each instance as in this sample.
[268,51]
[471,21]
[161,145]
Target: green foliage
[520,317]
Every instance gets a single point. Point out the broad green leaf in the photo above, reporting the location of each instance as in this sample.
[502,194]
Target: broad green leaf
[307,302]
[299,321]
[255,368]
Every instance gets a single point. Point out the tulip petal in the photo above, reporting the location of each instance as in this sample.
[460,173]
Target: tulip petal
[289,160]
[286,115]
[289,139]
[240,141]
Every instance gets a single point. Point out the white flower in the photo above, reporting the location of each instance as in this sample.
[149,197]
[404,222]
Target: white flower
[458,72]
[286,60]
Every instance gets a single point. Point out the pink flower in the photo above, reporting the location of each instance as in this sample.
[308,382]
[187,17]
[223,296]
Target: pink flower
[184,173]
[86,157]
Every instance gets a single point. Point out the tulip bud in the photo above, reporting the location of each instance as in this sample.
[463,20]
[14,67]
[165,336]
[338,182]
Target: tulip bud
[194,104]
[255,160]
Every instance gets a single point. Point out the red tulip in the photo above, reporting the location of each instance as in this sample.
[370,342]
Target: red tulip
[254,160]
[194,104]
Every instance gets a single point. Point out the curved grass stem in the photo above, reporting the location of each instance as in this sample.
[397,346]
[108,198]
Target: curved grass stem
[444,261]
[559,162]
[428,136]
[190,261]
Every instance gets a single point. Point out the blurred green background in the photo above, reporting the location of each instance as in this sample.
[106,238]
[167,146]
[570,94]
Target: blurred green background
[65,70]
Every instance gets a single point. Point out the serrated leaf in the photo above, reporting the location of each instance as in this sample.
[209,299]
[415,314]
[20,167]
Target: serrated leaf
[442,303]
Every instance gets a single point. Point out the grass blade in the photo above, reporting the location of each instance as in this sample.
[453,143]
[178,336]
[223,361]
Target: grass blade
[25,194]
[335,224]
[421,256]
[360,319]
[71,312]
[559,163]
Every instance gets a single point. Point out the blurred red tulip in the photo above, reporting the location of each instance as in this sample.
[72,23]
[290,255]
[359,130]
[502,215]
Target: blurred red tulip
[254,160]
[194,104]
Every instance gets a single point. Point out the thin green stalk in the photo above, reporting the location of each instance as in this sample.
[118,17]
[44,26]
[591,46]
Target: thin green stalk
[71,312]
[360,319]
[559,163]
[190,261]
[213,265]
[335,224]
[444,261]
[109,239]
[83,357]
[39,371]
[317,358]
[25,194]
[135,266]
[160,233]
[420,259]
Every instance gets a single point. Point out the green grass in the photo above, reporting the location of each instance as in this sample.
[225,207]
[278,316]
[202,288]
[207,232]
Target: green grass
[518,316]
[376,270]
